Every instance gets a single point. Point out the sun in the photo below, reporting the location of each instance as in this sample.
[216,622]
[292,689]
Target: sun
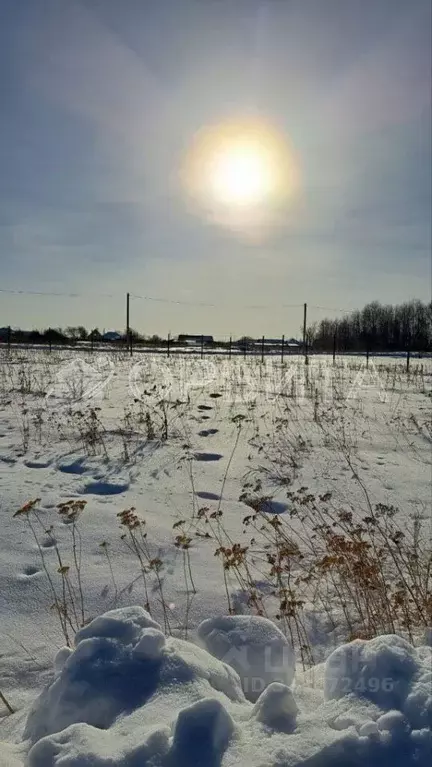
[241,174]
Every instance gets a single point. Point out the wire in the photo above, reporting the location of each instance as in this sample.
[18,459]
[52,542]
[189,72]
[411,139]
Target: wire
[52,293]
[154,299]
[201,303]
[330,309]
[170,301]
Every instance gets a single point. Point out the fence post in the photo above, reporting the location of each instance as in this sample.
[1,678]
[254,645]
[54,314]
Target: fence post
[262,349]
[168,344]
[305,340]
[334,348]
[367,356]
[128,334]
[282,348]
[230,347]
[202,347]
[9,334]
[408,360]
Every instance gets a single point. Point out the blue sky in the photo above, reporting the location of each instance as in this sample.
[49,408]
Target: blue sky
[100,99]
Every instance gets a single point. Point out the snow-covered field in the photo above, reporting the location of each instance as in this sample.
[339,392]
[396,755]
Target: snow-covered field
[251,485]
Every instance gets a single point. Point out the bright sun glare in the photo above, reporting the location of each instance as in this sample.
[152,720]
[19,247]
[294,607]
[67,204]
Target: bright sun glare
[241,174]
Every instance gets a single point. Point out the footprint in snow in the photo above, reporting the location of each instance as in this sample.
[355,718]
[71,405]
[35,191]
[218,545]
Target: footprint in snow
[267,506]
[48,543]
[204,407]
[105,488]
[275,507]
[29,572]
[208,456]
[208,496]
[37,464]
[207,432]
[76,467]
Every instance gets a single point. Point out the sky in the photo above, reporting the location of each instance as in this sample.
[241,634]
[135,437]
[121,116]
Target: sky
[100,101]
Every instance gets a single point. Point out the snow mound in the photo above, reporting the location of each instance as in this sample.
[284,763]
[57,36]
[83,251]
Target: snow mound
[386,670]
[122,662]
[276,708]
[127,696]
[125,624]
[381,670]
[202,732]
[254,647]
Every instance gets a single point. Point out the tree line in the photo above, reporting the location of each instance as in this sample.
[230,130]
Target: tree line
[377,328]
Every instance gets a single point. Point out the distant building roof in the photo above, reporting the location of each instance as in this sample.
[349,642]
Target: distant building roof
[277,342]
[194,339]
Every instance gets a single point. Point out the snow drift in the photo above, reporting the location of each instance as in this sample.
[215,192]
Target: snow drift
[127,696]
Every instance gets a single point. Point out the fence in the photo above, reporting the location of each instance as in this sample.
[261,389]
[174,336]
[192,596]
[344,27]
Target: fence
[201,346]
[120,311]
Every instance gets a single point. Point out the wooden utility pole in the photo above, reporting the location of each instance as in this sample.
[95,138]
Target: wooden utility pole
[127,317]
[128,330]
[304,334]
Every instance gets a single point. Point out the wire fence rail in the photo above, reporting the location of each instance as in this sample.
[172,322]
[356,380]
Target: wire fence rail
[204,346]
[334,338]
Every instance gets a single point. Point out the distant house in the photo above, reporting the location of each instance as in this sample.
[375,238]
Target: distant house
[295,344]
[195,340]
[268,345]
[111,335]
[273,342]
[267,342]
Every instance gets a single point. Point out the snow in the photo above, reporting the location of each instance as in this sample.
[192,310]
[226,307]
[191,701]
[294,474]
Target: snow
[276,708]
[125,624]
[202,734]
[134,691]
[127,695]
[382,670]
[254,647]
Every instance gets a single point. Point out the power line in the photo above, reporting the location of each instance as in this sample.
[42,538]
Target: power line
[53,293]
[201,303]
[171,301]
[156,299]
[331,309]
